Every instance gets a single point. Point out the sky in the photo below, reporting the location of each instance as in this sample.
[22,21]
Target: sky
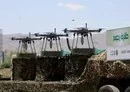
[24,16]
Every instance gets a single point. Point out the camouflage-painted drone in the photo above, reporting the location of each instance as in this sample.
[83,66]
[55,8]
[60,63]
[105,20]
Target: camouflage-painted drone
[24,42]
[83,32]
[50,37]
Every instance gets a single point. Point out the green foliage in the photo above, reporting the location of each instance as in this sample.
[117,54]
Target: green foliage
[7,60]
[6,64]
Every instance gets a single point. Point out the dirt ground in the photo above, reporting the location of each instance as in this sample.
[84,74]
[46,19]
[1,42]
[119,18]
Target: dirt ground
[5,73]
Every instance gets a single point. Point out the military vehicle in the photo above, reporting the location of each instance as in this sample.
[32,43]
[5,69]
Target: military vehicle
[92,73]
[51,65]
[116,73]
[104,72]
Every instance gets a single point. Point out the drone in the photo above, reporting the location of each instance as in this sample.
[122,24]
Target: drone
[50,37]
[24,42]
[82,32]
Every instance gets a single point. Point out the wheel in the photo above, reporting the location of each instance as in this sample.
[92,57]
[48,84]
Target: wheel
[127,89]
[108,88]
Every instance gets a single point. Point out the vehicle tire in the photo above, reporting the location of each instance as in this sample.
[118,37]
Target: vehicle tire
[108,88]
[127,89]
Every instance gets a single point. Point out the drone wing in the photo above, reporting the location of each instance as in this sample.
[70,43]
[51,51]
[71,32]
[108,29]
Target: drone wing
[37,34]
[98,30]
